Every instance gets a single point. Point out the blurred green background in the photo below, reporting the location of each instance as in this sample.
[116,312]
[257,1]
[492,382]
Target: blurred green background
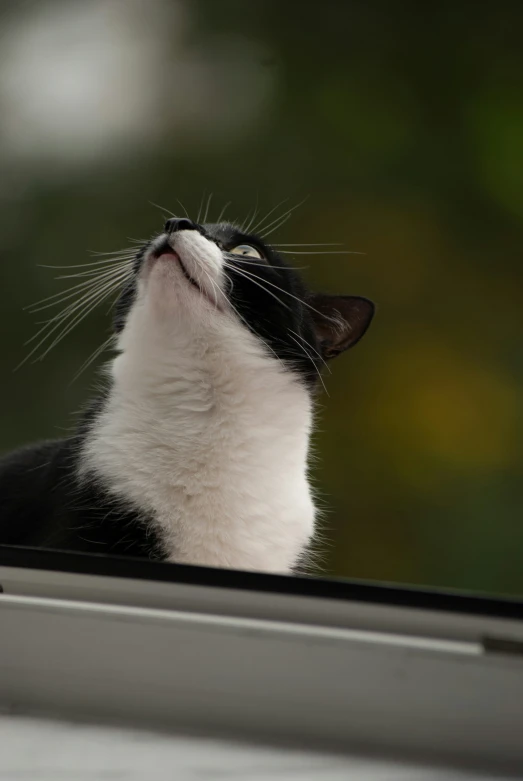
[403,123]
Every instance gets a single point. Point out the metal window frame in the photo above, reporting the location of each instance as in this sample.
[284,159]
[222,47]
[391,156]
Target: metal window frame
[405,672]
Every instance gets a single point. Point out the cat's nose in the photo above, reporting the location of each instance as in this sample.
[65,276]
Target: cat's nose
[179,224]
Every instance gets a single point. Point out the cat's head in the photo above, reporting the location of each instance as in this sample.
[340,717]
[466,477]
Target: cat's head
[213,278]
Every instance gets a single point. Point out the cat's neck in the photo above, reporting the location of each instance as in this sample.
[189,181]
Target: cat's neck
[212,443]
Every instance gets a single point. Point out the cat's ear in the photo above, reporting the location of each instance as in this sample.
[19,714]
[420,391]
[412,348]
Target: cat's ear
[340,321]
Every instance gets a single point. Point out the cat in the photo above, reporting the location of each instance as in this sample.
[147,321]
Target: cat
[196,450]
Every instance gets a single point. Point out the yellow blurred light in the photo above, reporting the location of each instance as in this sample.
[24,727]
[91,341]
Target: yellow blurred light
[432,401]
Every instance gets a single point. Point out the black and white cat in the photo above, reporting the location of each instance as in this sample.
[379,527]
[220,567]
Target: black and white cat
[197,450]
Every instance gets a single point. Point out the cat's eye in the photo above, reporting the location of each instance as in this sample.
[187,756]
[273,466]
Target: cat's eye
[246,251]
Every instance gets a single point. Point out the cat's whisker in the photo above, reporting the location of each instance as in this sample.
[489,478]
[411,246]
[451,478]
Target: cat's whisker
[61,298]
[94,263]
[214,289]
[78,319]
[92,274]
[84,297]
[74,295]
[319,244]
[277,227]
[86,304]
[94,355]
[309,356]
[162,209]
[65,294]
[277,287]
[249,276]
[84,300]
[207,208]
[86,307]
[222,213]
[200,208]
[259,225]
[285,268]
[244,227]
[183,207]
[319,252]
[246,324]
[281,220]
[251,219]
[320,356]
[212,284]
[120,252]
[248,262]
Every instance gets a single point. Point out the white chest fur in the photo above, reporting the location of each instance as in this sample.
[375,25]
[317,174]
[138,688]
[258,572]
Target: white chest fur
[211,437]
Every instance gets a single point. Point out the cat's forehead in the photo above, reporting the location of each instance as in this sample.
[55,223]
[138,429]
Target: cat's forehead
[227,233]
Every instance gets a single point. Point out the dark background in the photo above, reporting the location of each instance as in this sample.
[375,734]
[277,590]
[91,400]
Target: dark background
[403,124]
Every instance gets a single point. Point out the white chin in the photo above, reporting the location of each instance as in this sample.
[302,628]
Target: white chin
[171,296]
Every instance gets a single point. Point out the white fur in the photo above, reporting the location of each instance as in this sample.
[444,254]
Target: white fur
[204,428]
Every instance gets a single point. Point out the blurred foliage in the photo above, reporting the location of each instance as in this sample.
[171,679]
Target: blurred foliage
[403,125]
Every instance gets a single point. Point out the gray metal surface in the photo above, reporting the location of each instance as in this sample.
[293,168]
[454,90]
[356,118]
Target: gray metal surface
[442,700]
